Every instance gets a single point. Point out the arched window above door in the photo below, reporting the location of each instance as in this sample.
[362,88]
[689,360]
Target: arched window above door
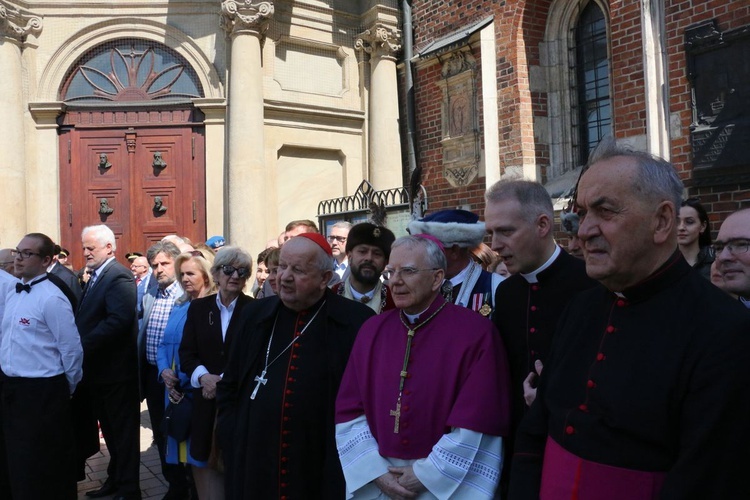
[131,70]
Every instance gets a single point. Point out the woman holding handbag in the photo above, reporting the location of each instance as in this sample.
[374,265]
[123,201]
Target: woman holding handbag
[194,274]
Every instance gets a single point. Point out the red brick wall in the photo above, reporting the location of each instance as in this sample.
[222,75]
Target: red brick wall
[519,28]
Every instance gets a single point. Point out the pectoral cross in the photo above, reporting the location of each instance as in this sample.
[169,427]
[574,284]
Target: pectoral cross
[260,379]
[396,413]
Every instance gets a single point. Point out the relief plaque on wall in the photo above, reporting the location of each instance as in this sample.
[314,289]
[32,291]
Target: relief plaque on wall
[719,72]
[460,137]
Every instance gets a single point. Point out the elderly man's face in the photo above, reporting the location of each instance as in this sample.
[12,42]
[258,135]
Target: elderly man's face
[413,291]
[94,252]
[300,282]
[617,228]
[733,261]
[520,242]
[139,267]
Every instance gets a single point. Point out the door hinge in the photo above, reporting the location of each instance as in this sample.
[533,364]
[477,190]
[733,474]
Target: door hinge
[69,147]
[195,211]
[193,147]
[70,214]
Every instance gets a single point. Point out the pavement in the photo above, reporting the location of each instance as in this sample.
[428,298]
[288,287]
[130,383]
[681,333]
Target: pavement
[153,485]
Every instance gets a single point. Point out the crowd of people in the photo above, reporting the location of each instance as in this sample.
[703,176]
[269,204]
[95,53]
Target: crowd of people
[361,365]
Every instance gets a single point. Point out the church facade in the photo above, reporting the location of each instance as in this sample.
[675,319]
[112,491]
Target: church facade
[192,117]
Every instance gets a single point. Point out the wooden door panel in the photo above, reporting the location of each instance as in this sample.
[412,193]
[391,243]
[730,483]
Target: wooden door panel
[131,184]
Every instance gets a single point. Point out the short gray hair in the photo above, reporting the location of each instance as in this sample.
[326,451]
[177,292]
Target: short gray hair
[656,179]
[532,197]
[342,224]
[231,256]
[102,234]
[435,256]
[166,247]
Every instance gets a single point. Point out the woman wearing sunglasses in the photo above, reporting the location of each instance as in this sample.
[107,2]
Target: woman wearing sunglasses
[206,343]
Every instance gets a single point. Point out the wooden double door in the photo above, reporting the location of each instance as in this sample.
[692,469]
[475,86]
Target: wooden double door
[140,173]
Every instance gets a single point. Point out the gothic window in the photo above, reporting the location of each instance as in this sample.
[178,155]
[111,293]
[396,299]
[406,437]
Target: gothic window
[131,70]
[593,119]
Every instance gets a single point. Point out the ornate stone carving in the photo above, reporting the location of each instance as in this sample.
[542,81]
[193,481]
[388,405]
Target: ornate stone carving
[379,41]
[244,16]
[17,24]
[458,62]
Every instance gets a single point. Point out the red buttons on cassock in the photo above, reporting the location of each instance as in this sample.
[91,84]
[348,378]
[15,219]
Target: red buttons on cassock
[294,356]
[610,329]
[289,391]
[621,303]
[532,329]
[405,425]
[285,445]
[284,459]
[583,408]
[287,405]
[407,392]
[296,344]
[600,356]
[535,287]
[404,442]
[283,471]
[405,408]
[590,384]
[533,308]
[569,430]
[286,419]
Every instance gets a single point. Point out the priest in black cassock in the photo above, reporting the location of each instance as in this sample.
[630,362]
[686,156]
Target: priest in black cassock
[519,216]
[276,398]
[644,394]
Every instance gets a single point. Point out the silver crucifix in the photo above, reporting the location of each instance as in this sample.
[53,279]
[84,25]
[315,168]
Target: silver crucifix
[260,379]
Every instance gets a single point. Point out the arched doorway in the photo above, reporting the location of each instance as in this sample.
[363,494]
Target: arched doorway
[132,145]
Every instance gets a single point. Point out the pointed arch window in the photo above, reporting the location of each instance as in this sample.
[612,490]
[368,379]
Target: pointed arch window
[593,119]
[131,70]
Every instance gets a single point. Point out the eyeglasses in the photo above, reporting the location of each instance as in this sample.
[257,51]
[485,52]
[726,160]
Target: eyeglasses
[735,246]
[405,272]
[332,238]
[23,254]
[242,272]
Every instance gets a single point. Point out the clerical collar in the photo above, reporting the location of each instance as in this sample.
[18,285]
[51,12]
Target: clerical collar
[460,277]
[674,268]
[532,277]
[414,318]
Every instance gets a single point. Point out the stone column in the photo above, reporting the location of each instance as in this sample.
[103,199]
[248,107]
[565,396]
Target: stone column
[382,43]
[246,24]
[215,111]
[15,26]
[43,173]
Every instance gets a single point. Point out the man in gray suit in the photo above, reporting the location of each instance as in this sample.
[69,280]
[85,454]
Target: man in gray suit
[106,321]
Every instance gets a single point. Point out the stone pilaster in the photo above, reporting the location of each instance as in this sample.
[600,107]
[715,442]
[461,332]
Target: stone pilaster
[15,25]
[382,42]
[246,24]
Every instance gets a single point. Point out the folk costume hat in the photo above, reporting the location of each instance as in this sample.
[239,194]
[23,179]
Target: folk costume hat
[367,233]
[451,227]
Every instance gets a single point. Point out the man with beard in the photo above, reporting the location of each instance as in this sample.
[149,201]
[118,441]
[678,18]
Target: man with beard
[368,248]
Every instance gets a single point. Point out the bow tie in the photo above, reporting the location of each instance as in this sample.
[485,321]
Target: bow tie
[21,287]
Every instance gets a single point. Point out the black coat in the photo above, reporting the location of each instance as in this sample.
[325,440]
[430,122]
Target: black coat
[656,381]
[203,344]
[106,321]
[329,344]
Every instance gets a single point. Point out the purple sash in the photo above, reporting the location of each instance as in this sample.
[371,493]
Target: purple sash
[568,477]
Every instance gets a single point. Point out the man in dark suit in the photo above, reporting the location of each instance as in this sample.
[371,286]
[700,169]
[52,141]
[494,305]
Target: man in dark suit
[68,278]
[106,321]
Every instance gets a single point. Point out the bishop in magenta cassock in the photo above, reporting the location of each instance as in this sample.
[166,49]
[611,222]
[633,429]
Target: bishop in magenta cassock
[424,401]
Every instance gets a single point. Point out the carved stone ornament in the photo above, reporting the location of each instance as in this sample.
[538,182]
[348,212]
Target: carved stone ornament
[457,63]
[16,23]
[379,41]
[238,15]
[104,207]
[104,163]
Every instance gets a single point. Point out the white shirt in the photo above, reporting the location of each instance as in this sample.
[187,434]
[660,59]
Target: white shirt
[226,316]
[39,337]
[340,269]
[7,282]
